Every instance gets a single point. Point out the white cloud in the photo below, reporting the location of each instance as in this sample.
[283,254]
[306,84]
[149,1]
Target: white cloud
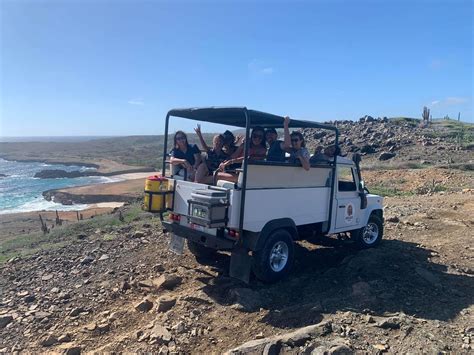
[137,101]
[257,66]
[450,101]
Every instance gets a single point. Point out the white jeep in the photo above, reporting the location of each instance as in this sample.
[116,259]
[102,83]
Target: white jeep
[259,218]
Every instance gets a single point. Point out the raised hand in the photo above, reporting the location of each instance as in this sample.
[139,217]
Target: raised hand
[198,129]
[286,121]
[239,139]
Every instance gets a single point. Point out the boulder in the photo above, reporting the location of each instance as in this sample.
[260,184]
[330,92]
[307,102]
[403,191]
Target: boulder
[104,257]
[367,148]
[29,298]
[165,303]
[297,337]
[48,340]
[390,323]
[138,234]
[87,260]
[340,350]
[144,305]
[74,350]
[76,311]
[65,338]
[160,334]
[167,281]
[386,156]
[393,219]
[5,319]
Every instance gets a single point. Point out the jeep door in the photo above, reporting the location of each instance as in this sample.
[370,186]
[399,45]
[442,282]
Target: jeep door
[347,198]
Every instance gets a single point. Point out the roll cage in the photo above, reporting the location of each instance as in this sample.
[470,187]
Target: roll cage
[245,118]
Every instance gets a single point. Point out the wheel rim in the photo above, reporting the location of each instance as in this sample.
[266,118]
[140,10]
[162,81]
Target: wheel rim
[371,233]
[279,256]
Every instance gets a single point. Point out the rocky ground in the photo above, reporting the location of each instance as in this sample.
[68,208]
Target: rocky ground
[109,284]
[116,287]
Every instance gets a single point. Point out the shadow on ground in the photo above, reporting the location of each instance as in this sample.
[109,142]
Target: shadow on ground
[396,276]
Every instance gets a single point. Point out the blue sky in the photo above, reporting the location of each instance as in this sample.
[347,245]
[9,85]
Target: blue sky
[116,67]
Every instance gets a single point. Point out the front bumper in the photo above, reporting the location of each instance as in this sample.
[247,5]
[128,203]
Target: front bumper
[205,239]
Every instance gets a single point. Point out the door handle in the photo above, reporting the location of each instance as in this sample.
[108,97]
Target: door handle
[342,206]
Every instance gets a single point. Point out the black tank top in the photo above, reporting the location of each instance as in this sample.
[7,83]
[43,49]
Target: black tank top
[275,153]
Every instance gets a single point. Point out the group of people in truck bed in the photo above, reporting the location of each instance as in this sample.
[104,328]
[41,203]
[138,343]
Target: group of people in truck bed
[227,153]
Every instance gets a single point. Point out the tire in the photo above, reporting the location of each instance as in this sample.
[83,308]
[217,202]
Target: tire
[273,262]
[370,235]
[200,251]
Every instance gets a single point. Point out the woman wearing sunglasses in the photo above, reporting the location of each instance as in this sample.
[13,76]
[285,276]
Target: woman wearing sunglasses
[184,156]
[257,151]
[295,145]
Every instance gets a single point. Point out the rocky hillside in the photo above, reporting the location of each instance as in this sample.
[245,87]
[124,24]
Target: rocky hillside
[110,284]
[401,140]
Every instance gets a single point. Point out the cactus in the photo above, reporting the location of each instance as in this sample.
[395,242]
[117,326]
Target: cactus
[426,114]
[59,221]
[44,227]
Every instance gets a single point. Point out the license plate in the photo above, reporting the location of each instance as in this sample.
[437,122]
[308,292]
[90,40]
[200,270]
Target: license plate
[176,244]
[199,212]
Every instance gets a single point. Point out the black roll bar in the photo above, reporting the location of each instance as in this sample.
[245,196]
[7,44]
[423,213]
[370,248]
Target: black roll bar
[245,164]
[333,178]
[166,144]
[247,117]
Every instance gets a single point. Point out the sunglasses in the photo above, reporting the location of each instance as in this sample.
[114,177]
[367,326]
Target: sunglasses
[295,140]
[257,136]
[181,138]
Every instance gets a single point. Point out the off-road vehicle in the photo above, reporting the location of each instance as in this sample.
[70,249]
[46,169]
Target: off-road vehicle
[273,204]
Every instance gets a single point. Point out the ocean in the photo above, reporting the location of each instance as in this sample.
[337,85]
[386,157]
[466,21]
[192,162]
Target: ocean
[21,192]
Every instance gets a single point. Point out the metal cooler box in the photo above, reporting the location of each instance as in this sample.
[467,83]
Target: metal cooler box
[208,207]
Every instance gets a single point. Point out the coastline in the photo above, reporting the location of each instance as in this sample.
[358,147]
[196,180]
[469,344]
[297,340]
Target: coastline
[128,188]
[100,199]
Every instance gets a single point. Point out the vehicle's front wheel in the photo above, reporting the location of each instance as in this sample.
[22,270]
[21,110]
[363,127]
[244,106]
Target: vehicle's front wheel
[273,262]
[370,235]
[200,251]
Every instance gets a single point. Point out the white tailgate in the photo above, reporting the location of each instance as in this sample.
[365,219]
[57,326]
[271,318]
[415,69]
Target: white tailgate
[302,205]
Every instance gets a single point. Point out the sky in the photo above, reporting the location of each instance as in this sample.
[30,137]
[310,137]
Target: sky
[116,67]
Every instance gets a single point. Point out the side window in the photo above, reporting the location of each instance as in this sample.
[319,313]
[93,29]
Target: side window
[346,181]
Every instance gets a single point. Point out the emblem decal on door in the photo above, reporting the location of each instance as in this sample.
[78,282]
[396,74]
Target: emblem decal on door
[349,213]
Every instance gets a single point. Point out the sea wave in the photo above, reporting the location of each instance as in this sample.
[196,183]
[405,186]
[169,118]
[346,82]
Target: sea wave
[22,192]
[44,205]
[109,179]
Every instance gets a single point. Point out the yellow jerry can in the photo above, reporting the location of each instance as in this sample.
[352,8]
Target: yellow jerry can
[158,196]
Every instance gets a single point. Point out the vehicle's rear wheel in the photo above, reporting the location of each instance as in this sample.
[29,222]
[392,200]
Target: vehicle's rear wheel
[273,262]
[200,251]
[370,235]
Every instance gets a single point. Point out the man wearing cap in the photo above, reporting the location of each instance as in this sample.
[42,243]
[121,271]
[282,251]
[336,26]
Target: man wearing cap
[276,147]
